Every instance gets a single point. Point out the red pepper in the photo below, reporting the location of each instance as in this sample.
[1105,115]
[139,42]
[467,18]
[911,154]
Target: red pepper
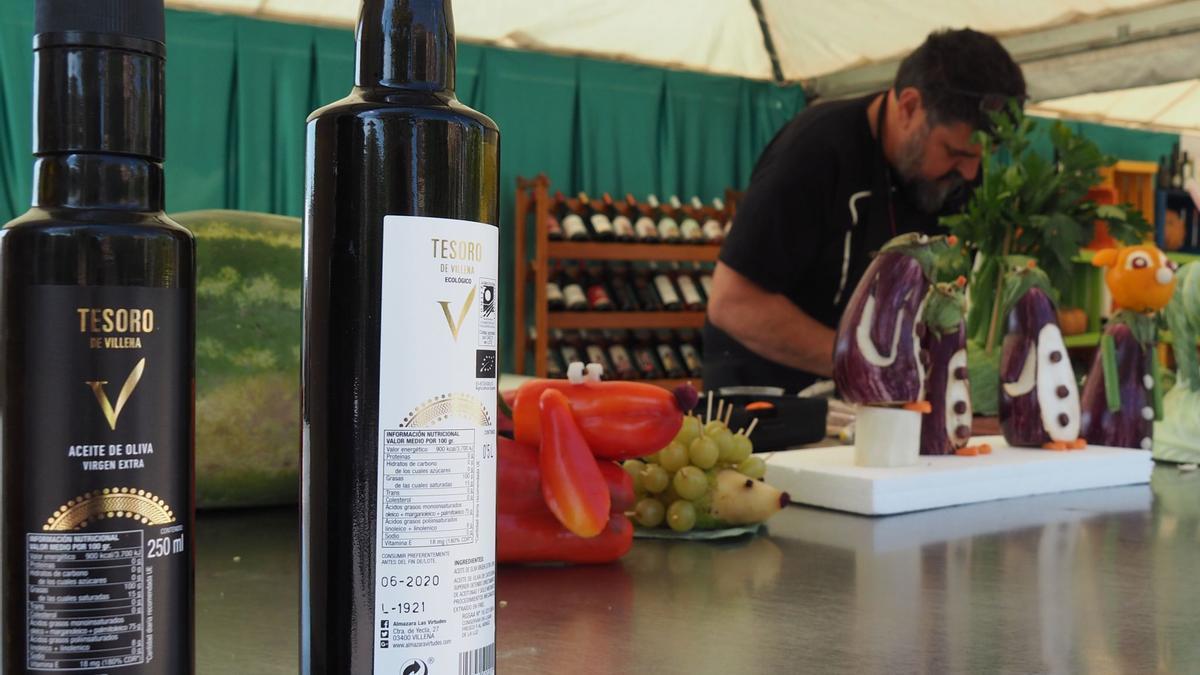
[619,420]
[620,486]
[572,484]
[504,421]
[538,537]
[519,483]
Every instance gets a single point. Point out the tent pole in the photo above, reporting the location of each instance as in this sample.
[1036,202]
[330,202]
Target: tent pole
[768,42]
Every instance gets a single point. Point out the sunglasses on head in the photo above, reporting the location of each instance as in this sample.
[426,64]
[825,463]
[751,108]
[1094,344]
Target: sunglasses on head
[989,102]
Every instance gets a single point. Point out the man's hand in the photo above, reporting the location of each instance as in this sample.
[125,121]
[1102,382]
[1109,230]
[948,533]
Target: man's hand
[769,324]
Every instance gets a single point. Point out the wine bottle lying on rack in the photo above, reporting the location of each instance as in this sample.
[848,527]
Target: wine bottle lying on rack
[574,295]
[574,228]
[621,281]
[554,229]
[599,298]
[619,214]
[619,355]
[644,227]
[714,231]
[556,301]
[689,227]
[602,227]
[665,286]
[668,227]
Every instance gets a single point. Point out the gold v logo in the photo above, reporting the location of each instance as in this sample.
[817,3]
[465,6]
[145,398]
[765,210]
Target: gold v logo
[456,326]
[131,383]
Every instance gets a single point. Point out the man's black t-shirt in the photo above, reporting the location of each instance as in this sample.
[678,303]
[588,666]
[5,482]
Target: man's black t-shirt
[815,211]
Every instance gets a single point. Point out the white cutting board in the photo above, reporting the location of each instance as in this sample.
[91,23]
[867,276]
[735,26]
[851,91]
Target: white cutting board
[828,477]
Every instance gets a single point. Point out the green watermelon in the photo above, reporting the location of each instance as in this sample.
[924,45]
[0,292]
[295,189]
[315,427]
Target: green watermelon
[248,269]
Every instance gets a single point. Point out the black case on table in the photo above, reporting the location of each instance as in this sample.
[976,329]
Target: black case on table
[788,422]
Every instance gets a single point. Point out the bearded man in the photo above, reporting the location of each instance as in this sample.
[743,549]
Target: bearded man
[833,186]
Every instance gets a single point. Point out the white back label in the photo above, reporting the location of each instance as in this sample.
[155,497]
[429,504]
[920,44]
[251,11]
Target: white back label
[435,537]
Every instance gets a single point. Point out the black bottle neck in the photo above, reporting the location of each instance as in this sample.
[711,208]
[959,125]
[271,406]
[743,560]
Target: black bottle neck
[98,122]
[405,44]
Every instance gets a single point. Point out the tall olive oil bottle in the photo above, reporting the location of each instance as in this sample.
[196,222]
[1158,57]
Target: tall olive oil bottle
[399,362]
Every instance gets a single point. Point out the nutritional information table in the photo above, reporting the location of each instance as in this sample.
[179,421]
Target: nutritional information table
[86,600]
[429,487]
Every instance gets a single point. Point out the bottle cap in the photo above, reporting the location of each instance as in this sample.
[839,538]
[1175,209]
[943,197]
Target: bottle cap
[143,19]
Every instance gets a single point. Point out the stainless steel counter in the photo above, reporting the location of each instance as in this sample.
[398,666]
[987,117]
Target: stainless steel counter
[1102,581]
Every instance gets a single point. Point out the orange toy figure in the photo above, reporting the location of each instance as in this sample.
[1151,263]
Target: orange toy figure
[1141,277]
[1122,397]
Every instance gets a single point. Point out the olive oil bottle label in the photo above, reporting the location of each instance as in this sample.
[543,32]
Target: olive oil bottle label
[435,540]
[107,478]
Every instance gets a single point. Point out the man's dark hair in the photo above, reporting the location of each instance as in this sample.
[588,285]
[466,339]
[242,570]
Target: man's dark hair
[960,74]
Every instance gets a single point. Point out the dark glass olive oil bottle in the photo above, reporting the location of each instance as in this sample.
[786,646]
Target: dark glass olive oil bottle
[96,333]
[399,362]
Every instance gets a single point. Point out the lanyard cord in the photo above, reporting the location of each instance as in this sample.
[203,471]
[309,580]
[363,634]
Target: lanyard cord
[880,119]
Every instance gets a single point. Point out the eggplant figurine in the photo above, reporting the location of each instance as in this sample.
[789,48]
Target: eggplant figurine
[877,355]
[1039,399]
[946,430]
[1122,398]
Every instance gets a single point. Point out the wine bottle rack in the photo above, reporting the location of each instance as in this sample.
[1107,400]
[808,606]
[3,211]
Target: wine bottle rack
[533,262]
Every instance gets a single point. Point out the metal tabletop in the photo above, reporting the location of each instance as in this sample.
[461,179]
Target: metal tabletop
[1101,581]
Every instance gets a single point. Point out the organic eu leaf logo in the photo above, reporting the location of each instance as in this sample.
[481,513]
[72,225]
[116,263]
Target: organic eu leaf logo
[485,363]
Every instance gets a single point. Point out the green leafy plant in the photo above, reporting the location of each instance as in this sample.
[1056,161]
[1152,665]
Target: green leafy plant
[1028,207]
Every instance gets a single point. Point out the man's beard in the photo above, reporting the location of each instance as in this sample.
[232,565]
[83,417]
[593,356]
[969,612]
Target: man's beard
[929,196]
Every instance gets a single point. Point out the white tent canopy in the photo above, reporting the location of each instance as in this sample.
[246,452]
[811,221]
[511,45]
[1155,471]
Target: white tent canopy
[841,47]
[1173,106]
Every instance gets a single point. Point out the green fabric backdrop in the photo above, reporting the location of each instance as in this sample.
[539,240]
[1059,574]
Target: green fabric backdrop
[240,89]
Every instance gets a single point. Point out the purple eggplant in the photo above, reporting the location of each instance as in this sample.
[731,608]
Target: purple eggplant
[1039,400]
[876,359]
[947,427]
[1132,424]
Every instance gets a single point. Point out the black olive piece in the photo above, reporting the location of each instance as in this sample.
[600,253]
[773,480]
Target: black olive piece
[1055,356]
[1062,391]
[1064,419]
[960,408]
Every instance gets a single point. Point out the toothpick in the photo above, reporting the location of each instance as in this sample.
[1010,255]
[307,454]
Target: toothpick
[739,431]
[721,409]
[708,415]
[751,429]
[728,414]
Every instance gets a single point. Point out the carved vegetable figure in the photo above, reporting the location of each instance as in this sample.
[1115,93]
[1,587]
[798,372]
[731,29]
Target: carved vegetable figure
[1122,397]
[1039,399]
[1177,435]
[619,420]
[560,498]
[876,359]
[946,430]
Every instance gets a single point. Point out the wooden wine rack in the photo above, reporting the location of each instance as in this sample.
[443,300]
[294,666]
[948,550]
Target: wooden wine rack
[533,198]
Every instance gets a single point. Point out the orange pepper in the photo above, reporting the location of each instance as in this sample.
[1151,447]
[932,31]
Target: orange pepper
[572,484]
[619,420]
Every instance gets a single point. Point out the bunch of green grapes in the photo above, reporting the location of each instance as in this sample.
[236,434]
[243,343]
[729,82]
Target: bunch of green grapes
[673,481]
